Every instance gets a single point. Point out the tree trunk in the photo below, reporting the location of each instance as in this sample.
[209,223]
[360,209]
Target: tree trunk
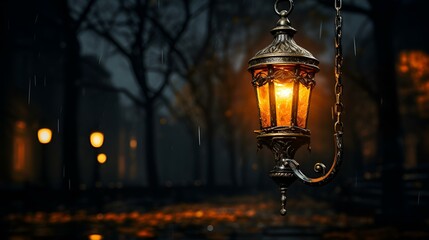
[232,158]
[244,165]
[210,153]
[390,135]
[197,176]
[6,70]
[69,119]
[150,151]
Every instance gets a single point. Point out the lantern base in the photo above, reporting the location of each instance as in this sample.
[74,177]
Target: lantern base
[283,178]
[284,145]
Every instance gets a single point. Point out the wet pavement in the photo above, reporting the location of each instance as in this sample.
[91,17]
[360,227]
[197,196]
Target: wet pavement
[243,217]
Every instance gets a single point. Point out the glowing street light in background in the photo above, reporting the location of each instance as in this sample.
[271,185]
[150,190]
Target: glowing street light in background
[101,158]
[96,139]
[95,236]
[44,135]
[133,143]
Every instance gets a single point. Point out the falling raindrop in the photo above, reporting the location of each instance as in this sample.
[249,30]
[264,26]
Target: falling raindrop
[99,59]
[37,17]
[320,30]
[418,199]
[210,228]
[35,80]
[162,56]
[29,91]
[218,42]
[159,3]
[354,45]
[58,125]
[69,185]
[199,136]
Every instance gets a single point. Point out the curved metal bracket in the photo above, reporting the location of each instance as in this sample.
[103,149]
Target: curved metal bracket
[319,167]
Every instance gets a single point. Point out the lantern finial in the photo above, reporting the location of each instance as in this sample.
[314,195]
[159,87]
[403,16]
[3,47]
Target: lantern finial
[283,49]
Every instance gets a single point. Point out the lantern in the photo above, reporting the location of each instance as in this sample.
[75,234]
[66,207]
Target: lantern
[283,76]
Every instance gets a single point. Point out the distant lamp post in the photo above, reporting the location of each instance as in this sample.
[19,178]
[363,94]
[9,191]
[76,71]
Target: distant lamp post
[44,135]
[133,143]
[101,158]
[96,139]
[283,76]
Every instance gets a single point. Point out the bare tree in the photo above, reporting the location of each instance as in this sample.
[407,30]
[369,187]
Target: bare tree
[210,91]
[135,30]
[73,26]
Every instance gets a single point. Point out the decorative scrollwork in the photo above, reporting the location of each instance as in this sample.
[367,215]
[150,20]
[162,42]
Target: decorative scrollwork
[285,130]
[306,78]
[283,147]
[285,45]
[327,177]
[282,174]
[282,59]
[260,79]
[284,75]
[320,168]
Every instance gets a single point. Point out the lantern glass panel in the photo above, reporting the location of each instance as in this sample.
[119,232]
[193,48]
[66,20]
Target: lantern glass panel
[284,96]
[264,105]
[303,105]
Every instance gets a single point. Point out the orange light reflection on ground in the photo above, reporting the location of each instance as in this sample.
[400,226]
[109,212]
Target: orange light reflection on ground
[415,63]
[414,66]
[252,216]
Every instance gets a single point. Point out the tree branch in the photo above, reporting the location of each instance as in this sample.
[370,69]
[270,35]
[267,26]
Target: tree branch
[166,79]
[109,88]
[173,40]
[209,29]
[106,35]
[83,15]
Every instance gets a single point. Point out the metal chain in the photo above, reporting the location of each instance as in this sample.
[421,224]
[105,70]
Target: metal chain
[338,110]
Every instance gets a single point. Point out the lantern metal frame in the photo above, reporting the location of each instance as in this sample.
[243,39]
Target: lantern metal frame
[284,141]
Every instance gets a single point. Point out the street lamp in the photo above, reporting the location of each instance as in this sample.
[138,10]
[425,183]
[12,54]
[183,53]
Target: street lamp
[101,158]
[44,135]
[283,75]
[96,139]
